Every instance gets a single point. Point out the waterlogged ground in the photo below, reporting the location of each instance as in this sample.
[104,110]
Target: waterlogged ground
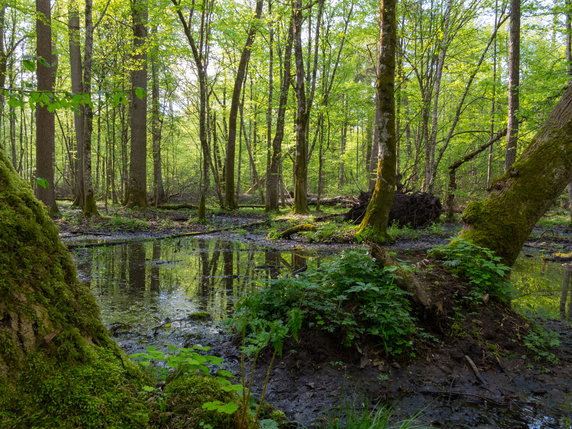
[178,291]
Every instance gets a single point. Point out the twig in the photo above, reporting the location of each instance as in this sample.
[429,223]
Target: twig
[476,370]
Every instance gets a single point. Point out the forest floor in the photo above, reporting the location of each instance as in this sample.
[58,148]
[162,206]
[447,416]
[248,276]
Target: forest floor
[475,372]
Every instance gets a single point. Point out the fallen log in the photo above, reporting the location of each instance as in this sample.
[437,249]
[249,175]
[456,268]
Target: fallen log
[296,229]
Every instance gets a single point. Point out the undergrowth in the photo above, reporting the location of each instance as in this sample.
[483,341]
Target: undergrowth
[349,296]
[479,266]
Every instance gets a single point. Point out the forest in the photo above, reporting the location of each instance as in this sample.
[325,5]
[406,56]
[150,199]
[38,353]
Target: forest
[286,214]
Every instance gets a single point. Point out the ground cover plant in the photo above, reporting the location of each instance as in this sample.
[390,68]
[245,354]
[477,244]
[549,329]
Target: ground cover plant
[349,296]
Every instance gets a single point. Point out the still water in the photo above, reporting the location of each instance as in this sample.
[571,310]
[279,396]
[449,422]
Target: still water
[155,292]
[158,292]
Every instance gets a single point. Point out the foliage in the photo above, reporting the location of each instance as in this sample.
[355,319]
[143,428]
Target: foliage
[332,232]
[479,266]
[539,341]
[349,296]
[187,363]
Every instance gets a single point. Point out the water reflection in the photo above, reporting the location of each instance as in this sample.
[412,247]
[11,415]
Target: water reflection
[151,292]
[544,287]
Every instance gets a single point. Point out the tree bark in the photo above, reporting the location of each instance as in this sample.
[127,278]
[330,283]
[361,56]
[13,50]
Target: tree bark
[159,196]
[137,184]
[513,84]
[273,179]
[45,120]
[230,196]
[503,221]
[377,213]
[302,117]
[88,204]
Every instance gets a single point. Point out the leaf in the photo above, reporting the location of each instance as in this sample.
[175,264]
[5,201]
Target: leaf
[30,65]
[268,424]
[42,182]
[140,93]
[148,389]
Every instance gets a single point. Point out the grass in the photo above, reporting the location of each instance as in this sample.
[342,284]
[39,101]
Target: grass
[380,417]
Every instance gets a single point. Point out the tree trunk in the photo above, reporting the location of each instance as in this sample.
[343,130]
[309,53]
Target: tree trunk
[45,120]
[58,365]
[513,84]
[76,86]
[503,221]
[137,184]
[89,206]
[273,179]
[230,197]
[302,117]
[159,196]
[377,213]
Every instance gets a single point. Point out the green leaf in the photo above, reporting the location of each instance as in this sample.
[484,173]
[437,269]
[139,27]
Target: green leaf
[140,93]
[42,182]
[148,389]
[29,64]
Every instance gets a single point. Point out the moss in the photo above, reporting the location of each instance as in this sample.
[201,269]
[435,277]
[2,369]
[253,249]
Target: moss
[186,396]
[199,315]
[503,221]
[97,394]
[58,365]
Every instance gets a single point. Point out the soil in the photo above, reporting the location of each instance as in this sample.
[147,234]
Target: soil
[508,387]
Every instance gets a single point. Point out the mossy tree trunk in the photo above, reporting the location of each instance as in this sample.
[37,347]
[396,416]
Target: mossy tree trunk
[503,221]
[58,365]
[377,213]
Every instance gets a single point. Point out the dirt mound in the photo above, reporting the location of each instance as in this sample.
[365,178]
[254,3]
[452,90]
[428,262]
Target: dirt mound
[470,369]
[416,210]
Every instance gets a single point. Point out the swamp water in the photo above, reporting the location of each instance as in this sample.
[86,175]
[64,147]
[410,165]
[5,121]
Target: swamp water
[177,291]
[169,292]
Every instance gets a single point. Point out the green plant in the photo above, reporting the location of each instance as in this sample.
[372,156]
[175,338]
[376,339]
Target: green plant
[539,341]
[349,296]
[380,417]
[179,362]
[480,266]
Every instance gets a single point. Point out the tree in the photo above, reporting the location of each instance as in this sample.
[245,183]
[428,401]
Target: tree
[377,213]
[58,365]
[503,221]
[137,185]
[45,120]
[230,199]
[273,174]
[200,49]
[83,116]
[513,84]
[159,195]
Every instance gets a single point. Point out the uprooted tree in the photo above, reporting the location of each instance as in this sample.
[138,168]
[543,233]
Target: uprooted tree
[504,220]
